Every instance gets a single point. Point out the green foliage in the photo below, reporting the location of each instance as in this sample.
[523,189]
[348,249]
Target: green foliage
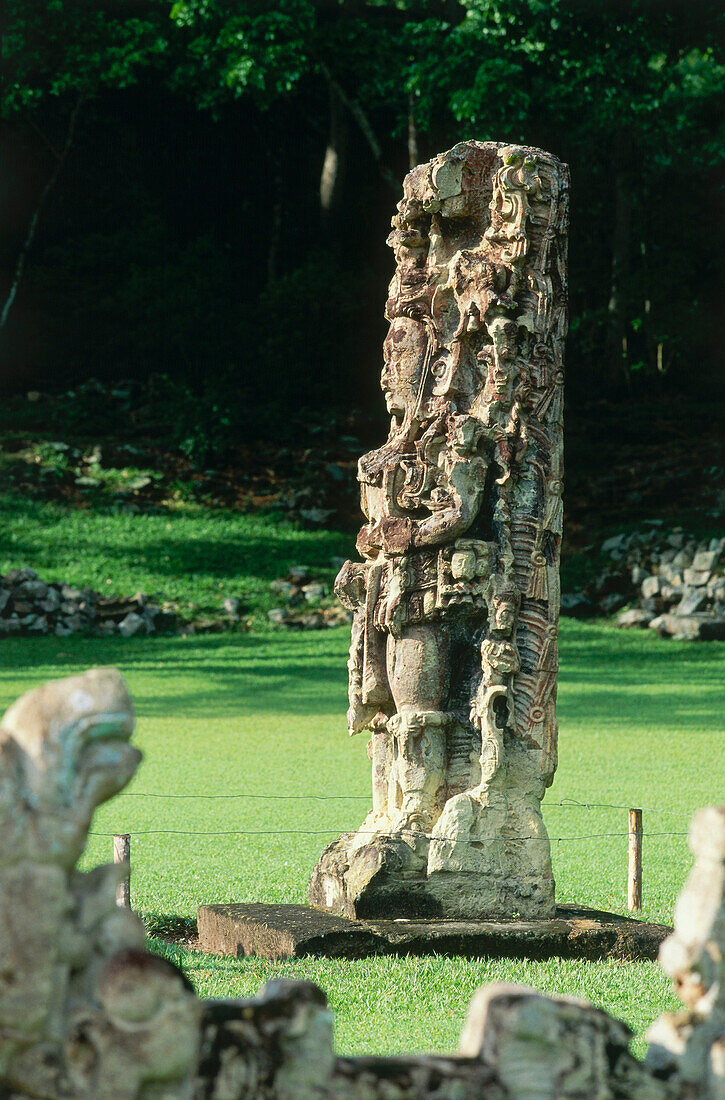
[271,51]
[52,49]
[52,458]
[260,49]
[202,422]
[634,89]
[622,91]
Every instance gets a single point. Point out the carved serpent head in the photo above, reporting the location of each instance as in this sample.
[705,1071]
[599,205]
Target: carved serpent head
[64,749]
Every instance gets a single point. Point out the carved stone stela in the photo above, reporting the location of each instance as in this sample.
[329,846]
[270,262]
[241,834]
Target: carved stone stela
[453,658]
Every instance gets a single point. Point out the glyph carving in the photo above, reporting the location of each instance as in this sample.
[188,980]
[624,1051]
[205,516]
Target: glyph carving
[453,657]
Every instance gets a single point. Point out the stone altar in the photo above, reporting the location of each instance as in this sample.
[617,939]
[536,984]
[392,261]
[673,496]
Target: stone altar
[453,657]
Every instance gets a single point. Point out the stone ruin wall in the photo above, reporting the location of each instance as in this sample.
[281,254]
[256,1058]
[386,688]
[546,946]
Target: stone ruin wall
[87,1013]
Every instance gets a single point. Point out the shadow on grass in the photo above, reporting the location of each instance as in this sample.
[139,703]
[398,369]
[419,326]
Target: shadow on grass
[169,926]
[606,675]
[212,676]
[174,545]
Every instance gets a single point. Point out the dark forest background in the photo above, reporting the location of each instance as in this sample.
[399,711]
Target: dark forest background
[196,195]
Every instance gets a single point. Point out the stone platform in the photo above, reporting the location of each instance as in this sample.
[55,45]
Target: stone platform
[293,931]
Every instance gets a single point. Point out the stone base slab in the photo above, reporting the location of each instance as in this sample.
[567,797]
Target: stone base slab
[293,931]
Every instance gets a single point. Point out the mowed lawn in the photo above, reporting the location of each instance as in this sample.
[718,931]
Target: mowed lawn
[245,748]
[192,556]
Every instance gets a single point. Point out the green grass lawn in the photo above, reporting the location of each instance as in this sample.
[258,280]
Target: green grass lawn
[192,556]
[261,717]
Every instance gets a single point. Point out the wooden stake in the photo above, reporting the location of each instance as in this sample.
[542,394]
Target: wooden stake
[122,854]
[634,878]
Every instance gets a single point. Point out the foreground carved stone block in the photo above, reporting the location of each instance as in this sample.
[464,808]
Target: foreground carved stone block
[87,1014]
[85,1011]
[690,1045]
[453,659]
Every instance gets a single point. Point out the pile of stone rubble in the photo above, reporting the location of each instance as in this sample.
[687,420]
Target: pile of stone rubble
[29,605]
[667,581]
[306,604]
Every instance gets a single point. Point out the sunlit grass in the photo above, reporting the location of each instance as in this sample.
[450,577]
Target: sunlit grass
[263,715]
[194,556]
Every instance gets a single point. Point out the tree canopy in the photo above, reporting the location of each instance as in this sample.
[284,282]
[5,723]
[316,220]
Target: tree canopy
[331,101]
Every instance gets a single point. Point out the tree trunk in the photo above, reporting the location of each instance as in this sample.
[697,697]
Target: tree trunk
[334,164]
[617,355]
[355,109]
[413,152]
[33,226]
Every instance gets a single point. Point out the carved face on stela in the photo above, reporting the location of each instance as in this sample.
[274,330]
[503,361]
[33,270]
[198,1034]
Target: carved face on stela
[443,215]
[445,205]
[404,352]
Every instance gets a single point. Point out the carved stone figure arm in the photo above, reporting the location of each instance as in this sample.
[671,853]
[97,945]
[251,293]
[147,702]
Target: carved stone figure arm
[458,508]
[393,534]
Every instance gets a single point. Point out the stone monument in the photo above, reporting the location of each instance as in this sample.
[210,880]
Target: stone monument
[453,658]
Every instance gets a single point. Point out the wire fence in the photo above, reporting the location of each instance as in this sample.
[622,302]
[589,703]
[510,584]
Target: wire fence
[564,803]
[273,795]
[404,833]
[634,833]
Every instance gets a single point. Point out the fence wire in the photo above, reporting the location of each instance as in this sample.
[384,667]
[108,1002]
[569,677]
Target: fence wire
[403,833]
[564,803]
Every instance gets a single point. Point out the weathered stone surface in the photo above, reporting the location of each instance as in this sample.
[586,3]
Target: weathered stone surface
[684,627]
[693,600]
[297,614]
[697,578]
[701,627]
[716,588]
[294,931]
[31,606]
[85,1012]
[453,658]
[706,560]
[689,1047]
[131,624]
[280,932]
[635,617]
[547,1048]
[645,570]
[651,586]
[232,607]
[660,624]
[276,1046]
[683,559]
